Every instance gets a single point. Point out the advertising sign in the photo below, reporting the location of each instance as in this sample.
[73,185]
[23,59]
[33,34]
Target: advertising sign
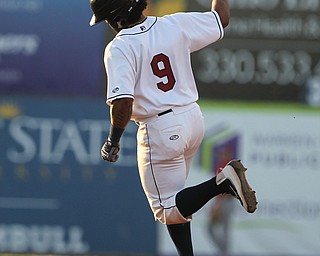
[56,193]
[48,47]
[270,51]
[281,150]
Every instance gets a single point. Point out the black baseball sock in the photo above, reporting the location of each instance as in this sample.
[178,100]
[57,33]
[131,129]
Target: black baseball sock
[181,237]
[191,199]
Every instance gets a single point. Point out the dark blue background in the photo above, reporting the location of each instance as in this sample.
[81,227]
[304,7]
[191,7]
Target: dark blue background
[69,60]
[111,207]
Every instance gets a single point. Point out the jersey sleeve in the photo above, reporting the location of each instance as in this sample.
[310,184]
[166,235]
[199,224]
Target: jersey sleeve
[201,28]
[120,74]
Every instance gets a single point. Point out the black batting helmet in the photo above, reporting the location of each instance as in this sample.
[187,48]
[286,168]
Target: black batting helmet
[111,10]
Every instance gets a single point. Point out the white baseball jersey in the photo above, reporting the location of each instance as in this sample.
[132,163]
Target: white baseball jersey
[151,64]
[142,64]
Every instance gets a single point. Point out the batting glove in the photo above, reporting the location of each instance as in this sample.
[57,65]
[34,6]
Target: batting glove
[109,151]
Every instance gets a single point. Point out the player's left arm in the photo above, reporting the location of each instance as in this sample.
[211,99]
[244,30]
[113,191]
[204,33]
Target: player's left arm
[223,9]
[120,114]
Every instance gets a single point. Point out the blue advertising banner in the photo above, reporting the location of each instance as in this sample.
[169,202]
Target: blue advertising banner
[56,193]
[48,47]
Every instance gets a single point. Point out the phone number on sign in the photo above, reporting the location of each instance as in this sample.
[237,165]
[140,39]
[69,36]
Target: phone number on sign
[243,66]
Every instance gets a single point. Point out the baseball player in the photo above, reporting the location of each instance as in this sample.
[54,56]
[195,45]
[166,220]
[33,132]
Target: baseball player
[150,81]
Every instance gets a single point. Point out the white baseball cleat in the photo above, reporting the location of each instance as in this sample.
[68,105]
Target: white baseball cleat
[234,171]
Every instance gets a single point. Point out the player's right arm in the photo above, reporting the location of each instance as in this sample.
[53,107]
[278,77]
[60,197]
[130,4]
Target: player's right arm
[120,92]
[120,114]
[223,9]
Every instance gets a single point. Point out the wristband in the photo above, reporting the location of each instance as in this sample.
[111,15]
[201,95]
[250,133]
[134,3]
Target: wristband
[115,134]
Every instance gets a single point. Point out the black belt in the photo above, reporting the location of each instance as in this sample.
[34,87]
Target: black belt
[165,112]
